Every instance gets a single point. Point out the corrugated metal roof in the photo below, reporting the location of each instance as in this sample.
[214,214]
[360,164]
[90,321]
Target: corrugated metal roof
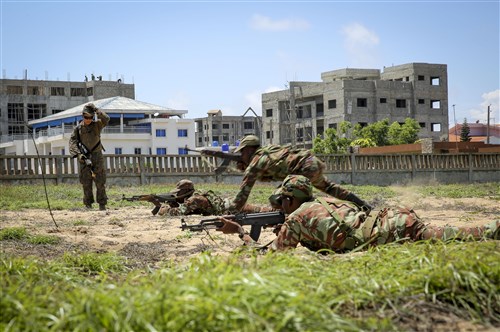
[113,105]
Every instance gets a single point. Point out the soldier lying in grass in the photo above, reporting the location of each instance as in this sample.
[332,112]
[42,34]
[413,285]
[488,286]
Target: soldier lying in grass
[329,224]
[206,203]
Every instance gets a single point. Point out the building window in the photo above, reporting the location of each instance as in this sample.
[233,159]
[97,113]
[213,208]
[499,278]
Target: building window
[182,133]
[299,133]
[225,137]
[421,101]
[248,125]
[214,126]
[161,133]
[421,77]
[225,126]
[200,139]
[421,124]
[182,151]
[362,102]
[435,104]
[269,112]
[137,150]
[332,103]
[319,109]
[161,151]
[215,139]
[34,91]
[118,150]
[435,126]
[268,134]
[15,113]
[14,90]
[77,92]
[56,111]
[90,91]
[435,80]
[400,103]
[363,124]
[36,111]
[383,100]
[332,125]
[56,91]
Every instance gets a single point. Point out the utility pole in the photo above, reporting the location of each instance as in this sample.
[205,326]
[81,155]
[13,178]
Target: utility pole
[488,127]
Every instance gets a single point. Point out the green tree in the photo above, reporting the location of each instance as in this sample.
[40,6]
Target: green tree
[465,132]
[363,143]
[403,134]
[332,143]
[376,132]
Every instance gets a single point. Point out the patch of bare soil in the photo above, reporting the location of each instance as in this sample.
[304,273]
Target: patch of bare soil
[147,240]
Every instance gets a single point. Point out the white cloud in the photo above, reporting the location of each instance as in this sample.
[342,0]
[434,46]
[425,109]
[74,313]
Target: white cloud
[491,99]
[275,88]
[180,101]
[360,43]
[253,99]
[264,23]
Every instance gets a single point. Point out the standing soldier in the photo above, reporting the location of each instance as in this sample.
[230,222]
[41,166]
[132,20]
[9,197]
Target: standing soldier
[274,162]
[85,144]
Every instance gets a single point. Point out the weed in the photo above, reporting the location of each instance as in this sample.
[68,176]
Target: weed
[13,233]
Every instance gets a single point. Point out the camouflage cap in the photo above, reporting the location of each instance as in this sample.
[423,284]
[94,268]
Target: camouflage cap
[297,186]
[89,109]
[250,140]
[183,185]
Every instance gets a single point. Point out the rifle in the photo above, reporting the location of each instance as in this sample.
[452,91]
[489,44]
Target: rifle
[227,157]
[256,220]
[86,158]
[155,199]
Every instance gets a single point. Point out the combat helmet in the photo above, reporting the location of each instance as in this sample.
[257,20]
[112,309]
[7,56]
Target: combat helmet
[297,186]
[249,140]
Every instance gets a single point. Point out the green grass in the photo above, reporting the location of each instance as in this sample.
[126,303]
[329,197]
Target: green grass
[21,234]
[491,190]
[378,290]
[250,292]
[69,196]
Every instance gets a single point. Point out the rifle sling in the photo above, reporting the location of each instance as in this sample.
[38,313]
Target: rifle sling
[79,140]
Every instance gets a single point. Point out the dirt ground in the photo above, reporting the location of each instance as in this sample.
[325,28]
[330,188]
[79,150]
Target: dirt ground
[147,240]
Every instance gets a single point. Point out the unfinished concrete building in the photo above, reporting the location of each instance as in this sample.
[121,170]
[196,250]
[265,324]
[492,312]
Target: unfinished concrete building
[303,111]
[23,100]
[217,129]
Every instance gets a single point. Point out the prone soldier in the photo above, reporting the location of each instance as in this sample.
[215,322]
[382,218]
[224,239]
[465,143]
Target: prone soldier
[206,203]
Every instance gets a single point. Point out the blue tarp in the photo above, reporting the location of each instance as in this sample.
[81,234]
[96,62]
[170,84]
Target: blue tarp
[73,119]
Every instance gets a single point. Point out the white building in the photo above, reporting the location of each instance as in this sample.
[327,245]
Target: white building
[135,128]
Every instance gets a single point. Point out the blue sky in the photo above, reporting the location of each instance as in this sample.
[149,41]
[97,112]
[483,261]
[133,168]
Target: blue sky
[204,55]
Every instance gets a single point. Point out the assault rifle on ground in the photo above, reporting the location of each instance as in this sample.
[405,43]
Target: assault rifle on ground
[256,220]
[155,199]
[226,157]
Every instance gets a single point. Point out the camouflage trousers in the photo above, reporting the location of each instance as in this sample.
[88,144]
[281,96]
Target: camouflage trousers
[399,225]
[97,174]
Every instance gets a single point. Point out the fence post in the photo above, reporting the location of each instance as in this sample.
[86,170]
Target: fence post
[413,167]
[471,166]
[59,166]
[353,167]
[142,171]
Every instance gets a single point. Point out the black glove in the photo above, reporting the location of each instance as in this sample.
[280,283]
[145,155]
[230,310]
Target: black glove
[364,206]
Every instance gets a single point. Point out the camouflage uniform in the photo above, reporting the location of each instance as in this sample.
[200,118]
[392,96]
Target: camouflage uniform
[326,223]
[274,163]
[204,203]
[90,137]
